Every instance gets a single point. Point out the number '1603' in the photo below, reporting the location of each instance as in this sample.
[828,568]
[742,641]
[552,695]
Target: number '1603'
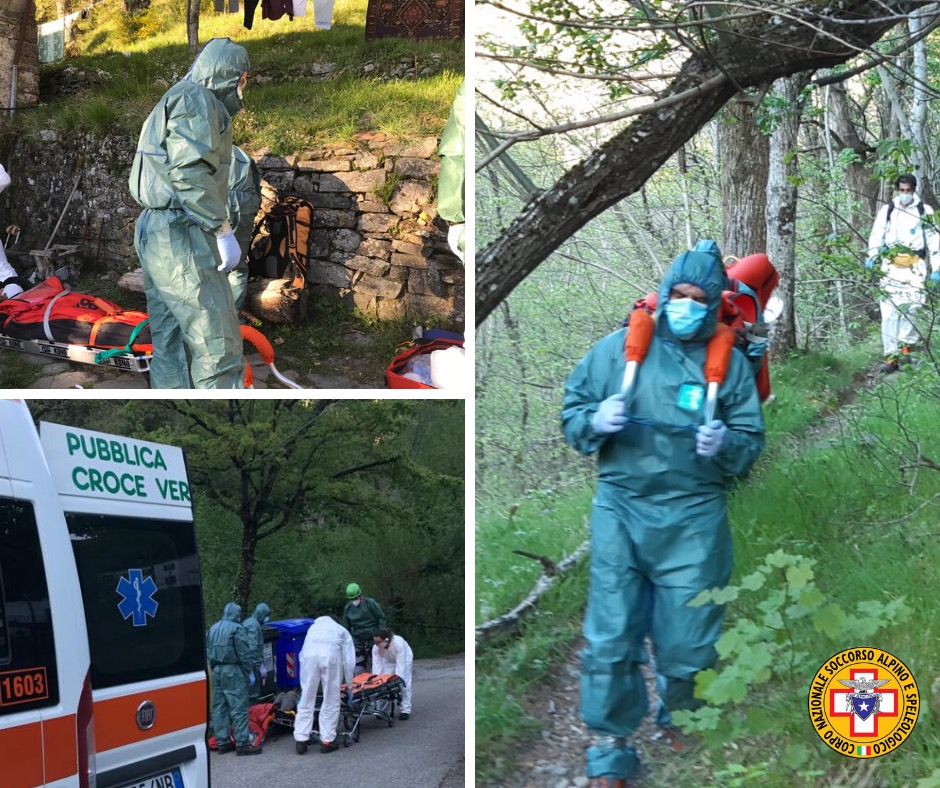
[23,687]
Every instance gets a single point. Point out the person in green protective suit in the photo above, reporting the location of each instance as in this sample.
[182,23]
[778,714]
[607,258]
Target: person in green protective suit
[244,202]
[183,237]
[363,617]
[228,650]
[252,625]
[450,184]
[659,527]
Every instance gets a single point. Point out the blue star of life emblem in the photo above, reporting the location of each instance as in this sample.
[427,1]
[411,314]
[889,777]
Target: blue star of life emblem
[137,592]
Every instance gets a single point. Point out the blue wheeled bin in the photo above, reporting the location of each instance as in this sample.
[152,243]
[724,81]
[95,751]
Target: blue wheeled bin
[290,639]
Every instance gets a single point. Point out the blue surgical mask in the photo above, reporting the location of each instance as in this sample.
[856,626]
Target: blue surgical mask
[906,198]
[685,316]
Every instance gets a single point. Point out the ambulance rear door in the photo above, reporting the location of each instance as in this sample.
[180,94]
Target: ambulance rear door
[129,513]
[46,726]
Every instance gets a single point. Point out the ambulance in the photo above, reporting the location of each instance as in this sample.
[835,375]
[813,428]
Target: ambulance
[102,660]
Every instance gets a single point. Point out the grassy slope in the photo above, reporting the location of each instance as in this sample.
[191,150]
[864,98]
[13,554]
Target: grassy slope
[834,495]
[292,111]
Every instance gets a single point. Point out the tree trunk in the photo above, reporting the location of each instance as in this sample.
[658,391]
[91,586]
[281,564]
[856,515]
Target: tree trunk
[781,206]
[192,25]
[858,179]
[764,51]
[744,154]
[919,101]
[135,6]
[900,113]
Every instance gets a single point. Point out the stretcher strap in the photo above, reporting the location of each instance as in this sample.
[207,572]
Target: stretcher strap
[47,330]
[101,357]
[111,314]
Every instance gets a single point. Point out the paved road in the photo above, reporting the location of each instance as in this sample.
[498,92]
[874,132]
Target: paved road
[426,751]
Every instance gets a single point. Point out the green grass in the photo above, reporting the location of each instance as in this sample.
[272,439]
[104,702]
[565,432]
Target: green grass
[18,373]
[849,495]
[544,524]
[287,109]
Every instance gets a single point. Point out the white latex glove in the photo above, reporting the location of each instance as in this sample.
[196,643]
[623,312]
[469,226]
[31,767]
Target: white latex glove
[229,251]
[709,438]
[251,678]
[610,416]
[12,290]
[455,240]
[264,673]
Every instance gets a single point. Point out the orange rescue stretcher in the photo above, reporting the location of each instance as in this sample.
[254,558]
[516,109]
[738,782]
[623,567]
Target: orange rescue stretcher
[50,319]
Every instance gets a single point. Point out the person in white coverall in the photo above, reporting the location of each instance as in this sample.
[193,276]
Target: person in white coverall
[392,654]
[328,658]
[898,246]
[6,270]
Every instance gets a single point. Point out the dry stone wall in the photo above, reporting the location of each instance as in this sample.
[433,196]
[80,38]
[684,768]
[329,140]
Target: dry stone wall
[378,242]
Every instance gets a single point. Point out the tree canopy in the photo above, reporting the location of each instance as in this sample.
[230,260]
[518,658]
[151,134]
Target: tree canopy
[721,50]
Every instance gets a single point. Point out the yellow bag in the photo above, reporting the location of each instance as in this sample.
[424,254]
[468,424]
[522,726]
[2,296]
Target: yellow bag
[905,260]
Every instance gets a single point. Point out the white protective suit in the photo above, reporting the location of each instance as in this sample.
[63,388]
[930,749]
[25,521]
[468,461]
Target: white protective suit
[6,270]
[328,657]
[904,287]
[395,658]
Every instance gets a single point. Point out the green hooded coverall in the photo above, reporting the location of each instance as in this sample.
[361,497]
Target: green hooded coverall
[244,202]
[180,177]
[659,527]
[252,626]
[452,149]
[228,650]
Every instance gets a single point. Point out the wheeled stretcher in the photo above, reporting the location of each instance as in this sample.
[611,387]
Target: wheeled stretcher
[373,694]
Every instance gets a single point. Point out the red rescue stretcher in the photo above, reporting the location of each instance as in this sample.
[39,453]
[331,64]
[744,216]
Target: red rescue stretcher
[52,320]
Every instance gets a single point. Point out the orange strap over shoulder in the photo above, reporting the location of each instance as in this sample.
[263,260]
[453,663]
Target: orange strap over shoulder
[636,345]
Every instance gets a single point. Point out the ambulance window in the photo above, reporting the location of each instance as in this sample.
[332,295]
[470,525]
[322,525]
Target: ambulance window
[28,676]
[142,594]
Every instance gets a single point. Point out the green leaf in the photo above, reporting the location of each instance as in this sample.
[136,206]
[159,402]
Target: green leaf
[798,576]
[779,559]
[702,598]
[754,581]
[829,620]
[795,755]
[723,596]
[703,680]
[812,598]
[761,720]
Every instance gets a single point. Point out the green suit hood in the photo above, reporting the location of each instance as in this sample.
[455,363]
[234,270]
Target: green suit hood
[261,613]
[232,612]
[219,67]
[703,269]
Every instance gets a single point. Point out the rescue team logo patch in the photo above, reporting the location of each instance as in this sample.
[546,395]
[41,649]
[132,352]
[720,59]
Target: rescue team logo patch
[863,702]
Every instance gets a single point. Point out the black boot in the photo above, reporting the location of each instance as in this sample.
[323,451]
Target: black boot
[247,749]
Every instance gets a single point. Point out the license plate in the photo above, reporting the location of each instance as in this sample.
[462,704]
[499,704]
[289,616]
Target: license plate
[171,779]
